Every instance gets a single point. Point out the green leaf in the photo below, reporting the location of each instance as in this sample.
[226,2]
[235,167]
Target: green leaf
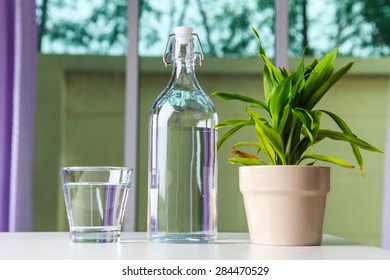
[227,134]
[253,144]
[298,84]
[265,144]
[296,93]
[261,50]
[283,120]
[300,73]
[309,68]
[240,97]
[317,96]
[285,72]
[302,145]
[269,83]
[274,72]
[255,105]
[305,117]
[345,128]
[270,142]
[321,72]
[310,121]
[335,135]
[271,69]
[246,161]
[234,122]
[278,100]
[330,159]
[256,115]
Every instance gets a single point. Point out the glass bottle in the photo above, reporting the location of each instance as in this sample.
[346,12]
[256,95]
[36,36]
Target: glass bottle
[182,172]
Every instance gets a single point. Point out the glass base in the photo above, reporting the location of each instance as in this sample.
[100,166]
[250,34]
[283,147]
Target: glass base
[95,235]
[182,238]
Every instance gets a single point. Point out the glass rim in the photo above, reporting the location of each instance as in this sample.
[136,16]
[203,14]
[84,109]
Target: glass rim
[96,168]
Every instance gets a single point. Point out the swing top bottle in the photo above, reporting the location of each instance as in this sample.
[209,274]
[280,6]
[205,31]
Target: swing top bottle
[182,171]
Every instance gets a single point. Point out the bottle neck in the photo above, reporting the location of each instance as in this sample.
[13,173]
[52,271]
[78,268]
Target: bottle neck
[183,60]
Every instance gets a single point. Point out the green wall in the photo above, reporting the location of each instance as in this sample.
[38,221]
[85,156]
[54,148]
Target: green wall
[80,121]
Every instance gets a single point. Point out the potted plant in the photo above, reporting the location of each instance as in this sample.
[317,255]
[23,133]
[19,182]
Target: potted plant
[284,193]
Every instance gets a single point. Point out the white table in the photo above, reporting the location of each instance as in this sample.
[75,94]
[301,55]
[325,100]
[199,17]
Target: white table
[134,246]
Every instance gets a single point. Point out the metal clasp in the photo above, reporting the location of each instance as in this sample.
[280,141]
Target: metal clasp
[201,53]
[168,54]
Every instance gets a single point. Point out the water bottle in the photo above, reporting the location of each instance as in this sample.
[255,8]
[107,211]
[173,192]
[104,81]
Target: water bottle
[182,171]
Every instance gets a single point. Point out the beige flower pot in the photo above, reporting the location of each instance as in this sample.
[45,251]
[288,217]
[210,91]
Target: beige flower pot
[285,205]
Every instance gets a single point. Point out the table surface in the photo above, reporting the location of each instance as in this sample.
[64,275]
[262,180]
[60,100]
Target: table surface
[134,246]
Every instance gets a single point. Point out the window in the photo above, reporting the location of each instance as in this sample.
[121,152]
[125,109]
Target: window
[224,26]
[358,27]
[99,27]
[80,95]
[82,27]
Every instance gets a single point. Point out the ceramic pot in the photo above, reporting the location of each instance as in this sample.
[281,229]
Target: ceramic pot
[285,205]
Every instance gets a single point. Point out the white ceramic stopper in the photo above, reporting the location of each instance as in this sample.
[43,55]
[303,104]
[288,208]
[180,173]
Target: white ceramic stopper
[183,34]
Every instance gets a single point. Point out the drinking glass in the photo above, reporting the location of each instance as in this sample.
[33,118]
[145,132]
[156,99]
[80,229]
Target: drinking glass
[95,200]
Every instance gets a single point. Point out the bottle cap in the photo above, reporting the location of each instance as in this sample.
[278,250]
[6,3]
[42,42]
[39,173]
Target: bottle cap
[183,34]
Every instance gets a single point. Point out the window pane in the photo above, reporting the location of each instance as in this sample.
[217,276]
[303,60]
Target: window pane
[99,27]
[224,26]
[82,26]
[80,97]
[359,27]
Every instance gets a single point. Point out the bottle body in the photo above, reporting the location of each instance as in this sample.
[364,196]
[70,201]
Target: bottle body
[182,198]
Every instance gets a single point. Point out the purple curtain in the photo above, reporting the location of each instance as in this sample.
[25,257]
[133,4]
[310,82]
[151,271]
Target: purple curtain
[17,105]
